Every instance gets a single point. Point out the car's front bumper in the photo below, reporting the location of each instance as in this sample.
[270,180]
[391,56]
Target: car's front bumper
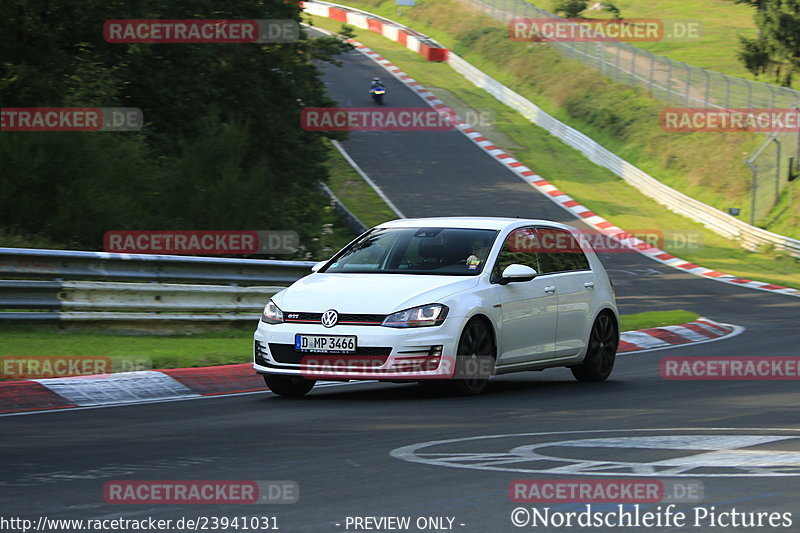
[382,353]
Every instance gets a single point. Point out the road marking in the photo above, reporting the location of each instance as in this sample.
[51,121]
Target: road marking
[698,452]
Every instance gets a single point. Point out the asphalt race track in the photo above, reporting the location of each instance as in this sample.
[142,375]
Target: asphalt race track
[359,450]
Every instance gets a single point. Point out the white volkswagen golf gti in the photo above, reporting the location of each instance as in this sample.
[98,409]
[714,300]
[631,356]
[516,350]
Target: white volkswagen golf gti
[448,300]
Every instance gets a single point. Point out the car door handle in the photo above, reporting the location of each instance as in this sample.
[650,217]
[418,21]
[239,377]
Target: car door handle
[550,289]
[589,284]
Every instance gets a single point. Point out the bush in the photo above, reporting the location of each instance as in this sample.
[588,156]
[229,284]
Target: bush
[570,8]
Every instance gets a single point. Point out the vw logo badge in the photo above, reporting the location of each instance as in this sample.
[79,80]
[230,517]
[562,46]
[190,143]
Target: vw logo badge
[330,318]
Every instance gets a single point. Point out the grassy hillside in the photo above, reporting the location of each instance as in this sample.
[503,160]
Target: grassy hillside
[722,22]
[706,166]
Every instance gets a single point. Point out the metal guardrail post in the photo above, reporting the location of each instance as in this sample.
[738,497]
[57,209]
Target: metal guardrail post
[752,192]
[777,171]
[727,90]
[688,83]
[669,82]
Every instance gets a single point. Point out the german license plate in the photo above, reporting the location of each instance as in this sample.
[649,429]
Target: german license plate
[325,343]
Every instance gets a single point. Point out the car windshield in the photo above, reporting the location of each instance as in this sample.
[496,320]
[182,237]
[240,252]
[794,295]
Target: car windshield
[438,251]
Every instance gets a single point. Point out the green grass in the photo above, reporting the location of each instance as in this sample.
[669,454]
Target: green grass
[722,22]
[594,186]
[168,351]
[355,193]
[654,319]
[205,349]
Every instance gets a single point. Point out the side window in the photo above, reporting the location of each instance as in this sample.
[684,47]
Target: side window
[560,252]
[520,248]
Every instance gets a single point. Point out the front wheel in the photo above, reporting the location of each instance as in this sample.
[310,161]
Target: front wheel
[288,385]
[601,352]
[474,360]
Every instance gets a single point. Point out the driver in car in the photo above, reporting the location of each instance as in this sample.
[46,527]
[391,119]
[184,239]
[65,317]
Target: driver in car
[479,248]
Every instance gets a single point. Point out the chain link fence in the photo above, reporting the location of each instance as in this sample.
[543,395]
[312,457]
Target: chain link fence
[683,85]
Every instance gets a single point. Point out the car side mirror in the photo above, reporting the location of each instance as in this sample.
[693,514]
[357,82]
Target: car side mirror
[514,273]
[318,266]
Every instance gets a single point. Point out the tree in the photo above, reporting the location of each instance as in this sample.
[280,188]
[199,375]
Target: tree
[752,3]
[776,50]
[574,8]
[570,8]
[222,146]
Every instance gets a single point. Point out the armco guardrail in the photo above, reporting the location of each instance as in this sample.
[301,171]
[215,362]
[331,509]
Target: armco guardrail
[750,237]
[349,218]
[222,290]
[29,263]
[130,302]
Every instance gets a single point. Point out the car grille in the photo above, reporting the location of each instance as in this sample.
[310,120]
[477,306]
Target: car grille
[345,319]
[285,353]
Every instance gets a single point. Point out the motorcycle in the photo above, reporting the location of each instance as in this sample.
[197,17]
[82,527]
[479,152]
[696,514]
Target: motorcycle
[377,93]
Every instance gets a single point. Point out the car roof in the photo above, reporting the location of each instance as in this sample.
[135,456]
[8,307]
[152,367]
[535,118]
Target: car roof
[495,223]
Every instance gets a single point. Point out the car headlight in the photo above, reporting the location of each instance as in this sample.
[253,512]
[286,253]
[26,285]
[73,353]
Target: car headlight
[272,314]
[417,317]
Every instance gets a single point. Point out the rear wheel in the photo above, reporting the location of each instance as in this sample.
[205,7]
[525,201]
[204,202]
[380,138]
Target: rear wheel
[288,385]
[474,359]
[601,352]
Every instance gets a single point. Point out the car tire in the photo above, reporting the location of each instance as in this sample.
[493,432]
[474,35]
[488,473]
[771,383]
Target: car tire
[288,385]
[475,346]
[601,350]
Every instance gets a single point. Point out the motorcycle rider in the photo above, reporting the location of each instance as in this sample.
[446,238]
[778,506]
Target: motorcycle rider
[376,90]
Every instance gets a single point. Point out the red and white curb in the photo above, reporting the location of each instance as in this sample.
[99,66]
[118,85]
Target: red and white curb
[127,388]
[551,191]
[151,386]
[414,41]
[700,331]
